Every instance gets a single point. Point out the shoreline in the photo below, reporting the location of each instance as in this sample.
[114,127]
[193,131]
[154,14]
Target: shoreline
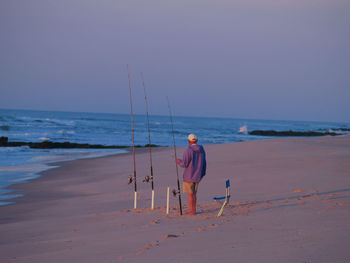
[19,188]
[283,190]
[58,164]
[16,187]
[33,170]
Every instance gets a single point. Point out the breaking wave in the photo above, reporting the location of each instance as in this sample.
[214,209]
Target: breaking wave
[5,127]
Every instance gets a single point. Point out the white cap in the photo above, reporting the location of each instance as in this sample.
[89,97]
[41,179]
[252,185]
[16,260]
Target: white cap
[192,137]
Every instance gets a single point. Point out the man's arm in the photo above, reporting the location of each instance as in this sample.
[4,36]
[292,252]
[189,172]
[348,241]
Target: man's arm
[204,163]
[186,160]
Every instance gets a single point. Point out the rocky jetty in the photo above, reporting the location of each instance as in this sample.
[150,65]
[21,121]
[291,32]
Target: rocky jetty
[65,145]
[291,133]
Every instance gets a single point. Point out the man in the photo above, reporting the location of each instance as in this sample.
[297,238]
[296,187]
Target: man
[195,166]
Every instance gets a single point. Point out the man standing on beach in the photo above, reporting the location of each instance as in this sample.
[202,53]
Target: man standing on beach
[195,165]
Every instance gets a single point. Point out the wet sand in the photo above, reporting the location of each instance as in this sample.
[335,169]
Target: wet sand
[290,202]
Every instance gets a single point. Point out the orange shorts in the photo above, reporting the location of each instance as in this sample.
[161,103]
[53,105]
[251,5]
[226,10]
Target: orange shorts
[189,187]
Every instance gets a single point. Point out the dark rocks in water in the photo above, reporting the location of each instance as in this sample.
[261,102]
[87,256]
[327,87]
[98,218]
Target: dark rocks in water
[152,145]
[146,145]
[65,145]
[290,133]
[3,141]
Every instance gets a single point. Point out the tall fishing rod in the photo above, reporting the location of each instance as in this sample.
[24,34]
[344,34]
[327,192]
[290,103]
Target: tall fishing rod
[177,169]
[133,140]
[149,143]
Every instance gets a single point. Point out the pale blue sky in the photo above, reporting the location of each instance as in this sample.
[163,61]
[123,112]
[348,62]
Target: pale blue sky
[264,59]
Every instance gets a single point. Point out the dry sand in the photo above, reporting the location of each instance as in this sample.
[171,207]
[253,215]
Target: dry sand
[290,202]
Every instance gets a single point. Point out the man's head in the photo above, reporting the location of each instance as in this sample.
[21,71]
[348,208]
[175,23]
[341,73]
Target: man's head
[192,139]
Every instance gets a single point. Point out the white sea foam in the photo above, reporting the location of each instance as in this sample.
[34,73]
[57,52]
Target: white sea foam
[61,155]
[243,129]
[61,122]
[338,131]
[5,150]
[66,132]
[28,119]
[33,167]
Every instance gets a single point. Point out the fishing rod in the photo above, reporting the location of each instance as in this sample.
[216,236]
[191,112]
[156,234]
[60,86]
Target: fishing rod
[133,141]
[149,144]
[177,169]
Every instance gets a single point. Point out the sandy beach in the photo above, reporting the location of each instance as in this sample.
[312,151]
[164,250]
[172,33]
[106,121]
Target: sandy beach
[290,202]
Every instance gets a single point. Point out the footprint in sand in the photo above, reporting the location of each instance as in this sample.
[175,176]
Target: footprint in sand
[171,236]
[341,203]
[298,191]
[202,228]
[157,243]
[142,250]
[156,221]
[267,204]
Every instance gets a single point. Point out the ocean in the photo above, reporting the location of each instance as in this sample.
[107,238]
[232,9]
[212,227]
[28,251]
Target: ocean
[20,164]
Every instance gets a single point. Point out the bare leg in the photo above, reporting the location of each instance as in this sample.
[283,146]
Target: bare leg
[190,204]
[194,203]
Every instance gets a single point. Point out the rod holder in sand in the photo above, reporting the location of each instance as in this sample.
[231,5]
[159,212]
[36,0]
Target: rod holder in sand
[152,206]
[167,201]
[135,200]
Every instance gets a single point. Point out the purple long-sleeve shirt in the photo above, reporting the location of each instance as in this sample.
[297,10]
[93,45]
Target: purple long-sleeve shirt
[194,163]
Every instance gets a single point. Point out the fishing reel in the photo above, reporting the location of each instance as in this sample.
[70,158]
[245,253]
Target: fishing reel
[175,192]
[146,180]
[129,179]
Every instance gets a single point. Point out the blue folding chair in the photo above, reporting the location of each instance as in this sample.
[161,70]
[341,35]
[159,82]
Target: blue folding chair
[226,197]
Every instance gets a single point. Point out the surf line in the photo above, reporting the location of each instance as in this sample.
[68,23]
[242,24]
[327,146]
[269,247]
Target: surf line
[147,179]
[133,141]
[177,169]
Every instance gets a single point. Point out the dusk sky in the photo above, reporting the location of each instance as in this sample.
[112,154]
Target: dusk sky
[261,59]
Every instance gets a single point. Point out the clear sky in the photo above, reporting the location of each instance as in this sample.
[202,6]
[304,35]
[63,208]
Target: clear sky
[264,59]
